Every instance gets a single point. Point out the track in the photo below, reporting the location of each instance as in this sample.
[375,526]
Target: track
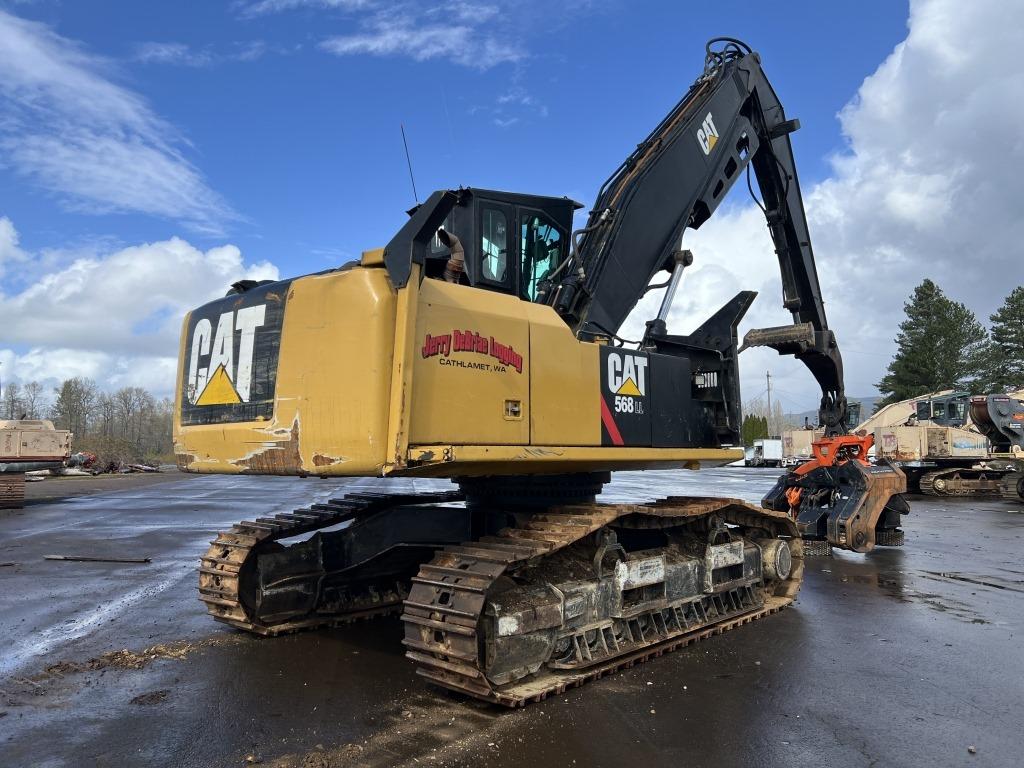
[962,482]
[227,572]
[444,613]
[12,490]
[1012,486]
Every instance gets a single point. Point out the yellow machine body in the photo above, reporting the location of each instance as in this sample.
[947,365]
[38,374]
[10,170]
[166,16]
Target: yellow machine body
[434,379]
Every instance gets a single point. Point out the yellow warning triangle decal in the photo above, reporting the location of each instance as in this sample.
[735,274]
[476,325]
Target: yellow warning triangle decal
[712,140]
[629,388]
[219,390]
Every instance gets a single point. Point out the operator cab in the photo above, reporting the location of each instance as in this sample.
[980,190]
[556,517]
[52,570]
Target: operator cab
[853,414]
[512,242]
[947,411]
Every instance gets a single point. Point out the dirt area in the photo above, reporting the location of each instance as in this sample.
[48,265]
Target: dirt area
[126,659]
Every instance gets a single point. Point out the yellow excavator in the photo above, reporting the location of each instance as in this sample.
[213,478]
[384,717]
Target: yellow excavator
[481,344]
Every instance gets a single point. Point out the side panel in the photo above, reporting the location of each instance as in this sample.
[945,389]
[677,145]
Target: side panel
[471,370]
[330,400]
[335,370]
[625,397]
[675,417]
[565,400]
[900,443]
[647,400]
[232,348]
[920,442]
[966,444]
[937,441]
[797,442]
[31,440]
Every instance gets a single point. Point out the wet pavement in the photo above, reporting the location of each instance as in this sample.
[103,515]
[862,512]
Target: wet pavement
[903,657]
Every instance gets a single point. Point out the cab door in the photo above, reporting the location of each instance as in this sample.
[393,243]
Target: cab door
[496,269]
[542,249]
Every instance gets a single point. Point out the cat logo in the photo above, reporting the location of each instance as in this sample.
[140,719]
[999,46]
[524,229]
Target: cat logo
[707,135]
[216,375]
[627,374]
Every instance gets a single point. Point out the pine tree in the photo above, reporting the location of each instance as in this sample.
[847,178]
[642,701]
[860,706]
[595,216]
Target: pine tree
[939,346]
[1004,354]
[753,428]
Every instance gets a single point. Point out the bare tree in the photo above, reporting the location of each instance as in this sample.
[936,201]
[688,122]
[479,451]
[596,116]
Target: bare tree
[105,419]
[157,435]
[125,426]
[74,406]
[12,401]
[34,400]
[133,404]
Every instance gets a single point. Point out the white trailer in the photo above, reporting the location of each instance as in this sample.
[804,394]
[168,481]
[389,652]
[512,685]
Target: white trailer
[767,452]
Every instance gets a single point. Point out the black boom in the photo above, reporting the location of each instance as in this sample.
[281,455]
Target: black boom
[729,120]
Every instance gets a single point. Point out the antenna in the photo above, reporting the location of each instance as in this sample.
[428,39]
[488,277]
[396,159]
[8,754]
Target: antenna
[408,160]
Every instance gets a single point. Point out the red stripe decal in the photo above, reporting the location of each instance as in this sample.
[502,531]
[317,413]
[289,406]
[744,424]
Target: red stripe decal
[609,423]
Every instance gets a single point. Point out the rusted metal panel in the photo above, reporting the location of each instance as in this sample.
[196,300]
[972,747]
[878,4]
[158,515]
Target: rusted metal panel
[276,457]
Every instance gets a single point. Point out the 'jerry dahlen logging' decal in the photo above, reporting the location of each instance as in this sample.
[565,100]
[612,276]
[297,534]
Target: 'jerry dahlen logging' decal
[496,357]
[625,406]
[231,353]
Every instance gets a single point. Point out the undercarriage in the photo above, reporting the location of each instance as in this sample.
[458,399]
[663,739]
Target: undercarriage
[510,602]
[958,477]
[1012,484]
[963,481]
[12,490]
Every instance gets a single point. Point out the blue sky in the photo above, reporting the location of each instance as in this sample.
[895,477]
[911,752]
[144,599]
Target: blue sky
[303,145]
[153,153]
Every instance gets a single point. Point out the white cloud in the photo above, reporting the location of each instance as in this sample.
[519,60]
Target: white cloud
[263,7]
[468,33]
[52,365]
[66,126]
[512,105]
[393,33]
[10,251]
[929,185]
[172,53]
[115,316]
[183,55]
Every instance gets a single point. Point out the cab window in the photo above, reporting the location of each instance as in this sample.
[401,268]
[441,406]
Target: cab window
[436,246]
[958,411]
[542,249]
[924,411]
[493,245]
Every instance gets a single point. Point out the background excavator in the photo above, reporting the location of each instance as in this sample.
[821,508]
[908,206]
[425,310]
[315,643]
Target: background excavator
[1001,419]
[481,344]
[27,445]
[947,443]
[941,448]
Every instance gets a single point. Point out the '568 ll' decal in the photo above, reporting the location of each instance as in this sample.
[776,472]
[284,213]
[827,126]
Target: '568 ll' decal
[625,405]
